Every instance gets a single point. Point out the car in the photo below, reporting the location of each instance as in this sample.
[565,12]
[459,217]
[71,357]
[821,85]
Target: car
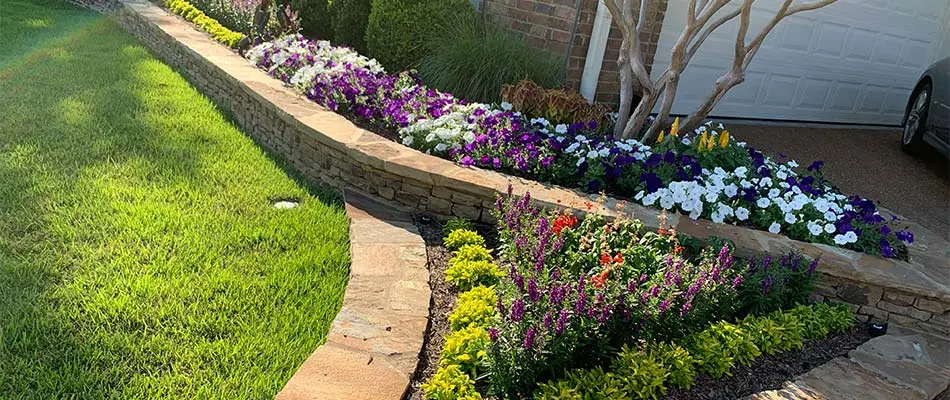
[927,116]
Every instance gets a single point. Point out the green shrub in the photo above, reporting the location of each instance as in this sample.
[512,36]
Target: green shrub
[206,23]
[643,373]
[681,365]
[461,237]
[455,224]
[314,18]
[820,320]
[475,306]
[474,59]
[450,383]
[465,348]
[470,253]
[468,274]
[584,384]
[399,32]
[348,19]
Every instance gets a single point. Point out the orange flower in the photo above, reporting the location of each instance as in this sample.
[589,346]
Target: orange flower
[600,279]
[663,231]
[564,221]
[618,259]
[589,205]
[605,259]
[678,249]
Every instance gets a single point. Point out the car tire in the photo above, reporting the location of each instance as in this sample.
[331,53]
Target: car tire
[915,120]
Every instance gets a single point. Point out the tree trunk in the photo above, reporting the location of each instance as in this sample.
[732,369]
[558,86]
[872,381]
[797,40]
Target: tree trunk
[664,113]
[626,89]
[723,84]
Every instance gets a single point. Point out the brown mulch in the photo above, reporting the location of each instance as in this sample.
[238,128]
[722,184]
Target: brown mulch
[443,298]
[771,372]
[766,373]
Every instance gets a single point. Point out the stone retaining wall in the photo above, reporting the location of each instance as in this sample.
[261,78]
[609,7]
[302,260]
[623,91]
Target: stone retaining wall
[880,304]
[327,147]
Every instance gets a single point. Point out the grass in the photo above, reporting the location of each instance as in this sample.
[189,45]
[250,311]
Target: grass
[140,255]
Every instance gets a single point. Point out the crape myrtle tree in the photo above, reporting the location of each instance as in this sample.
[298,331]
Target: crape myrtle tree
[701,21]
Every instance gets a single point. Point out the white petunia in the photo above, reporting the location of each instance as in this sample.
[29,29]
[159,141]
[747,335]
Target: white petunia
[711,197]
[639,195]
[593,154]
[561,128]
[731,190]
[742,213]
[851,236]
[773,193]
[775,227]
[840,240]
[763,202]
[830,228]
[741,171]
[506,106]
[717,217]
[793,164]
[814,229]
[830,216]
[572,147]
[791,218]
[765,182]
[781,175]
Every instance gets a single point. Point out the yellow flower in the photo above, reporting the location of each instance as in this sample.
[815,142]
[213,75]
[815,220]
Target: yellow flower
[702,142]
[676,127]
[659,139]
[711,143]
[724,139]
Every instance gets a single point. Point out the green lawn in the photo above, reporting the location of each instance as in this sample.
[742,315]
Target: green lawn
[140,255]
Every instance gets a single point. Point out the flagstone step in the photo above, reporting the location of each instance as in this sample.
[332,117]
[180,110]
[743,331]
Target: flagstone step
[902,365]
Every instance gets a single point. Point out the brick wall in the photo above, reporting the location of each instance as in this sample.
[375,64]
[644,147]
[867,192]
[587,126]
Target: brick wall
[548,24]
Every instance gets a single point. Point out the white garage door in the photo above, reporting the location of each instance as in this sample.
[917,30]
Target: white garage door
[854,61]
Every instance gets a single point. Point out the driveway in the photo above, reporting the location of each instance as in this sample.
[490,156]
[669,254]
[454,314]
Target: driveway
[867,162]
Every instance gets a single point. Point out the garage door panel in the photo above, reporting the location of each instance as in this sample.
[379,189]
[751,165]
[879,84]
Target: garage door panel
[856,57]
[814,94]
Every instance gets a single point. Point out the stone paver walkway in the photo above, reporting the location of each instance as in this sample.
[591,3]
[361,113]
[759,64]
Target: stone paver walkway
[373,347]
[901,365]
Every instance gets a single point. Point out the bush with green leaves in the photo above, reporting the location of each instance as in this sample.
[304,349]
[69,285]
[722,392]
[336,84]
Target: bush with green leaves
[206,23]
[465,348]
[450,383]
[348,19]
[474,307]
[314,18]
[461,237]
[648,371]
[466,274]
[399,32]
[475,58]
[455,224]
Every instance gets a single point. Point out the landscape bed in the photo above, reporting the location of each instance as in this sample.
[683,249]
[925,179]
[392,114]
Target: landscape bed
[703,174]
[764,341]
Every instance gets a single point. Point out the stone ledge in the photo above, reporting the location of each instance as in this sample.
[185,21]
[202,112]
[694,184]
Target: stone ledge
[329,148]
[373,346]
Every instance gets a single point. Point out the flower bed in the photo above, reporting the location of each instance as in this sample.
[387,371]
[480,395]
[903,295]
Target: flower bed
[703,174]
[590,308]
[208,24]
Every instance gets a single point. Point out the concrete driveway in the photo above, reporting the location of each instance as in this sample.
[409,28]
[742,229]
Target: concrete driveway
[867,162]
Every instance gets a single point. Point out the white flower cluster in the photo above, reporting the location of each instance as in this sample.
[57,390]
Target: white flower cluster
[324,59]
[449,131]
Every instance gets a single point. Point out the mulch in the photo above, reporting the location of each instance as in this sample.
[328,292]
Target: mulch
[771,372]
[766,373]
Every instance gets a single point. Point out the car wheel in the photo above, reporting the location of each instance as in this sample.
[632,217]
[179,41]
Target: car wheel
[916,120]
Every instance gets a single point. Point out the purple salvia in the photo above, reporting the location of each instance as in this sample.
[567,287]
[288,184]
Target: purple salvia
[517,310]
[561,322]
[533,293]
[528,339]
